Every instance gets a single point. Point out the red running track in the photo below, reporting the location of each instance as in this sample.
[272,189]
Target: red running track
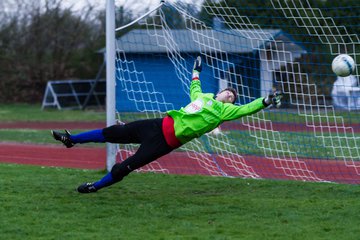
[178,162]
[52,155]
[175,163]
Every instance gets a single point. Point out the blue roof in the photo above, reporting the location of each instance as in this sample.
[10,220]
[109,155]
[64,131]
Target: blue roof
[235,40]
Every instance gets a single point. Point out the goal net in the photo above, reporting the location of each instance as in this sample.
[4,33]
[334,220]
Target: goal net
[254,46]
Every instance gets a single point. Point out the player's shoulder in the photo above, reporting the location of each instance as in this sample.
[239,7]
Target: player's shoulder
[206,96]
[228,106]
[209,95]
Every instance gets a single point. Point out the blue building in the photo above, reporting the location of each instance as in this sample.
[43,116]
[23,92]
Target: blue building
[162,60]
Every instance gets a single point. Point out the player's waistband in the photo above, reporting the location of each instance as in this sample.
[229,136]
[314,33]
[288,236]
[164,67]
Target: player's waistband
[169,132]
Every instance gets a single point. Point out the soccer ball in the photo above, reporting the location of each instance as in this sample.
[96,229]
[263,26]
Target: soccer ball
[343,65]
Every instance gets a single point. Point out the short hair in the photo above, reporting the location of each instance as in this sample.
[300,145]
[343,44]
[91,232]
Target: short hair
[233,91]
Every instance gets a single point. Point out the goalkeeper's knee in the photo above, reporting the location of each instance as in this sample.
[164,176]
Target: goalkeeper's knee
[120,170]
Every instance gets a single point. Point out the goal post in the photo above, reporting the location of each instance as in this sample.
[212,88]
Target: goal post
[255,47]
[111,149]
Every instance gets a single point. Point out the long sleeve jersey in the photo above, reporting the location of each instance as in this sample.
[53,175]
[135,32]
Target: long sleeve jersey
[204,113]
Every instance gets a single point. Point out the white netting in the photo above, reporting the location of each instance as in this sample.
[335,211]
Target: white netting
[254,146]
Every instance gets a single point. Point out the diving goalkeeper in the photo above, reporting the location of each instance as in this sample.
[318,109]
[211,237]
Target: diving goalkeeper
[158,137]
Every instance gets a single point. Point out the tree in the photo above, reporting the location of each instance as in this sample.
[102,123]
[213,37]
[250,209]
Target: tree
[45,43]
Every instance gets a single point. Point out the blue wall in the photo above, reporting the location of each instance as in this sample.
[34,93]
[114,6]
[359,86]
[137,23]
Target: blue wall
[160,71]
[242,70]
[248,66]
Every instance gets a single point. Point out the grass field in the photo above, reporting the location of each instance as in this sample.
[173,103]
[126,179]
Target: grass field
[28,112]
[32,136]
[41,203]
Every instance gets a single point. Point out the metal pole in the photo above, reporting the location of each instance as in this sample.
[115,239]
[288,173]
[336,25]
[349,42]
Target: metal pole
[110,72]
[110,79]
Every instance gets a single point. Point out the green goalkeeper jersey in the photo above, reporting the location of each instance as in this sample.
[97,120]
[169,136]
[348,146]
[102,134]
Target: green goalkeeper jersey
[204,113]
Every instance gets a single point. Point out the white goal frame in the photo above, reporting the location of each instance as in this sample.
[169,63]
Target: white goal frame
[111,149]
[273,150]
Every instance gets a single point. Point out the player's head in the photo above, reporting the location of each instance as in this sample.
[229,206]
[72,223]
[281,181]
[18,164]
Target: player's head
[227,95]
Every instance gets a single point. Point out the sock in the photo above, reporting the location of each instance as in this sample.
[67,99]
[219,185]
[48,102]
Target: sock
[107,180]
[91,136]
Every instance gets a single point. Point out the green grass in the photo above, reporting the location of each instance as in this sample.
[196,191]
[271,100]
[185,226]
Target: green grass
[28,112]
[292,116]
[304,144]
[34,136]
[26,136]
[33,112]
[40,203]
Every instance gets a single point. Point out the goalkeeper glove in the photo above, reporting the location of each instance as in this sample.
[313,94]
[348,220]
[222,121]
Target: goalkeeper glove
[274,99]
[197,68]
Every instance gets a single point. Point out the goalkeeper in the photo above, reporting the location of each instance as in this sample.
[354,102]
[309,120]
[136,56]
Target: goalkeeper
[158,137]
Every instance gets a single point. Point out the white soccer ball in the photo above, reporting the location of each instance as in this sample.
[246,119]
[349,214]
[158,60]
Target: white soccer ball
[343,65]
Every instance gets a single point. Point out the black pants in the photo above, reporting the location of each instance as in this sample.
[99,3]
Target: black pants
[152,144]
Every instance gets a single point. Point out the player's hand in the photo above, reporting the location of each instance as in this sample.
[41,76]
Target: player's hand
[197,65]
[274,99]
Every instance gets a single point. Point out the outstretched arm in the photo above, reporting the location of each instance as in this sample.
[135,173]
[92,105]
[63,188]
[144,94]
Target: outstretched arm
[232,111]
[197,69]
[195,87]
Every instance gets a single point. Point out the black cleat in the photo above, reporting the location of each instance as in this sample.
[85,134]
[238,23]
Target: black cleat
[63,137]
[86,188]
